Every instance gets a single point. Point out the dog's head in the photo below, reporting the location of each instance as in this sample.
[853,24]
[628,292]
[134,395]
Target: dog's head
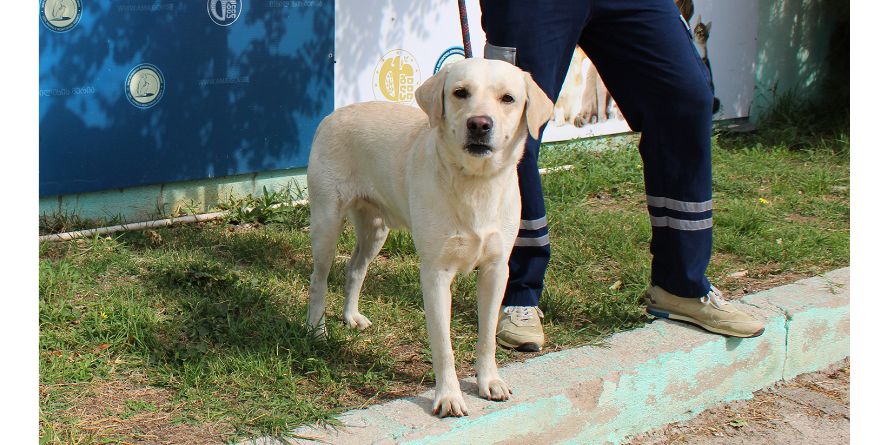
[482,110]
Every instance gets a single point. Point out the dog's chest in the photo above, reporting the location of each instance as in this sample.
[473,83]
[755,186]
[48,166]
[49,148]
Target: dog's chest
[464,251]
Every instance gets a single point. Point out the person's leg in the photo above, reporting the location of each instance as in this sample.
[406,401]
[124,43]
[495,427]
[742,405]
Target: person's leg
[539,37]
[544,34]
[645,56]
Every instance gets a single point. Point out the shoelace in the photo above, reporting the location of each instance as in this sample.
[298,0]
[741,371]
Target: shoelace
[524,313]
[714,297]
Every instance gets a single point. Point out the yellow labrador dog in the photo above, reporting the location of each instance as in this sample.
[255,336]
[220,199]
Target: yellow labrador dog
[448,174]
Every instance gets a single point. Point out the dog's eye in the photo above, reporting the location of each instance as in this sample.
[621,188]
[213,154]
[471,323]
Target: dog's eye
[461,93]
[507,98]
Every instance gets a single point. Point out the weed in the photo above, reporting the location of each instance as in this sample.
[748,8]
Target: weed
[277,207]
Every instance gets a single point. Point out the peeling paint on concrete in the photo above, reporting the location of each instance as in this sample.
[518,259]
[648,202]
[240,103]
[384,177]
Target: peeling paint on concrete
[526,418]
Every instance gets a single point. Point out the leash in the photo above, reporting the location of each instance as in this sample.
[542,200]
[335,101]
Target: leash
[465,33]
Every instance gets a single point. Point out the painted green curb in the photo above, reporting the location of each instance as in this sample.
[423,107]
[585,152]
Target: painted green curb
[642,379]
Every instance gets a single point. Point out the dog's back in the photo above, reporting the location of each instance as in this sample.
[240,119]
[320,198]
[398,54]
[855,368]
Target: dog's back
[354,157]
[353,134]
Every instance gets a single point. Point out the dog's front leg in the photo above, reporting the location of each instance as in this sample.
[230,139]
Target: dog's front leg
[435,283]
[490,291]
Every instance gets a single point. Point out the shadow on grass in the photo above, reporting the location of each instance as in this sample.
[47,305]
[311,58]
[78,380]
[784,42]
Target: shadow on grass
[223,320]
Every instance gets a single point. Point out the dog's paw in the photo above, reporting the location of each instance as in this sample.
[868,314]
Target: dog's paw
[357,321]
[318,333]
[317,330]
[450,403]
[494,389]
[585,118]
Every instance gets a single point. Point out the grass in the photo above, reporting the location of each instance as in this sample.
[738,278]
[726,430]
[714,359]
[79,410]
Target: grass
[194,333]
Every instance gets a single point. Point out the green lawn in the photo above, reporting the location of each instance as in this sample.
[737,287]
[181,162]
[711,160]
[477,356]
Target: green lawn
[194,334]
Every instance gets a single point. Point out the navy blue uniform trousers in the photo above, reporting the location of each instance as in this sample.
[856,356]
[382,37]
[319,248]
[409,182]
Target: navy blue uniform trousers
[644,53]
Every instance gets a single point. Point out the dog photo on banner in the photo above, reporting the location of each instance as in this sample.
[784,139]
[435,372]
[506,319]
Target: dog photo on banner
[586,108]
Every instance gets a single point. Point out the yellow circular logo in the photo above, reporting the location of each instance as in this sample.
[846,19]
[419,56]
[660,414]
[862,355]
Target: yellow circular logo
[396,77]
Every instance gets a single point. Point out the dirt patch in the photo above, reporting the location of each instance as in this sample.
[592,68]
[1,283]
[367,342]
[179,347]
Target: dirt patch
[750,285]
[115,279]
[812,409]
[802,219]
[615,199]
[126,412]
[411,369]
[738,282]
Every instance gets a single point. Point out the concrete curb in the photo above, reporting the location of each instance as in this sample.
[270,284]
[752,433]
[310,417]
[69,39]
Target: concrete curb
[645,378]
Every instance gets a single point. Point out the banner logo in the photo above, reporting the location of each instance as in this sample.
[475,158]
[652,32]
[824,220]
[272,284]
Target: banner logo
[60,15]
[453,54]
[396,77]
[224,12]
[144,85]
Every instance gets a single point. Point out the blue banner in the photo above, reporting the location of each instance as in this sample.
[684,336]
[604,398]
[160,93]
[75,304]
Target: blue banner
[145,92]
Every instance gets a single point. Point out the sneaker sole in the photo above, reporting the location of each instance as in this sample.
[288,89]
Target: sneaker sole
[522,347]
[670,316]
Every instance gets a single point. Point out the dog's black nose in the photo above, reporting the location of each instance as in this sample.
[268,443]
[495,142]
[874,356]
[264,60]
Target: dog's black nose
[479,125]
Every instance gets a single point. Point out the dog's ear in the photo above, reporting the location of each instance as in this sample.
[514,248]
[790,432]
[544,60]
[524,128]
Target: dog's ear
[538,107]
[429,96]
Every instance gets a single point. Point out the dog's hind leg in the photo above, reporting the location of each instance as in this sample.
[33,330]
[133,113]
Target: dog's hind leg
[371,232]
[326,224]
